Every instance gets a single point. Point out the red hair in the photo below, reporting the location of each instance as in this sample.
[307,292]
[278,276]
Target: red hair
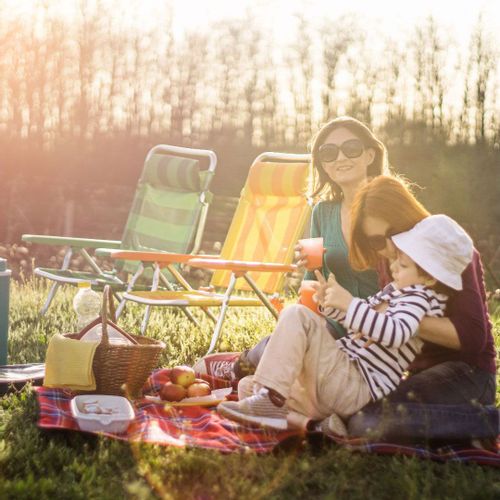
[388,198]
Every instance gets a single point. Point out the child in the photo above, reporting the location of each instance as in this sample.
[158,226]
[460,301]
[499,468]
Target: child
[318,377]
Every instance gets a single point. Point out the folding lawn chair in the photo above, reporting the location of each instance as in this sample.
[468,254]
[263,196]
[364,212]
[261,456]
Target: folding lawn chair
[168,213]
[271,215]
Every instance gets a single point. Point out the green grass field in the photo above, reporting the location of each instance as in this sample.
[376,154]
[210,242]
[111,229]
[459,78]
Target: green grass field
[52,464]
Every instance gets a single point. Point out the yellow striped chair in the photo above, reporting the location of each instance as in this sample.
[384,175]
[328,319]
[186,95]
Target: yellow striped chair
[271,215]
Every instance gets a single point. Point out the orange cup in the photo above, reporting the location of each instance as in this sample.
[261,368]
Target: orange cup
[306,292]
[313,249]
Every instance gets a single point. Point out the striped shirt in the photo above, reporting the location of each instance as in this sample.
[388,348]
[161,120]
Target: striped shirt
[395,346]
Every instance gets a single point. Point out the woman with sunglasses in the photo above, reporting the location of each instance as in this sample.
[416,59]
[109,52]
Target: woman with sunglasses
[453,380]
[345,155]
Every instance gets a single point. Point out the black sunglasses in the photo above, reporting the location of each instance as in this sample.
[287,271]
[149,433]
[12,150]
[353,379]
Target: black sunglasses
[378,242]
[353,148]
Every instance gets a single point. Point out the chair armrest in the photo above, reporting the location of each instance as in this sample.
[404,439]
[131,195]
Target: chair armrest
[160,257]
[69,241]
[104,252]
[241,266]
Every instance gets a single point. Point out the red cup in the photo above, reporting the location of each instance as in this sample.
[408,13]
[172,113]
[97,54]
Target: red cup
[306,292]
[313,249]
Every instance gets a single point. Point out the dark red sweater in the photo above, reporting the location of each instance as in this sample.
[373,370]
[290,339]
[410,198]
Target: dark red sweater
[468,311]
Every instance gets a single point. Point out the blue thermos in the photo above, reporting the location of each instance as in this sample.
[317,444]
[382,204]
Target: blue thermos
[4,310]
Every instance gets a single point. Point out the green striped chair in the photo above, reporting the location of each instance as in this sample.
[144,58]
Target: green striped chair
[168,213]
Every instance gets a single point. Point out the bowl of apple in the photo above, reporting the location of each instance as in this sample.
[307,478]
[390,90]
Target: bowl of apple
[184,389]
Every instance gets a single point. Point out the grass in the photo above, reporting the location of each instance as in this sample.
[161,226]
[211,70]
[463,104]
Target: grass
[53,464]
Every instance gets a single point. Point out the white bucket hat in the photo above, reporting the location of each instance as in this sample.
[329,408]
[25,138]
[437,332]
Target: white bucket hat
[440,246]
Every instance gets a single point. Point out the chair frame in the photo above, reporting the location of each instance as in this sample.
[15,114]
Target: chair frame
[80,245]
[239,269]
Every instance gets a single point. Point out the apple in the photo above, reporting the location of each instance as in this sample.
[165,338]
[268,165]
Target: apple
[200,381]
[198,389]
[172,392]
[182,375]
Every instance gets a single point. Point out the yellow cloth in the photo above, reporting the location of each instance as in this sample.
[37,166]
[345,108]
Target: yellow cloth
[68,364]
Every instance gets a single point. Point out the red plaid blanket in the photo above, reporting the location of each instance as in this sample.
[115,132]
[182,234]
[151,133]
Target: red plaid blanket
[204,428]
[193,426]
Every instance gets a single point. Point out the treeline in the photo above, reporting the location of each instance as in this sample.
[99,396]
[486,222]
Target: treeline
[85,91]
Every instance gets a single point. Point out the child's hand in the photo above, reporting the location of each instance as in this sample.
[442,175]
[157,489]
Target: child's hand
[331,293]
[359,335]
[318,286]
[382,307]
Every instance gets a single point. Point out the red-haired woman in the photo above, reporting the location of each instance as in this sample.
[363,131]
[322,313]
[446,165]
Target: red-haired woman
[454,377]
[452,386]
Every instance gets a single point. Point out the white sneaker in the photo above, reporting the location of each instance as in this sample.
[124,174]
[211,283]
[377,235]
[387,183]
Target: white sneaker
[256,410]
[246,388]
[332,426]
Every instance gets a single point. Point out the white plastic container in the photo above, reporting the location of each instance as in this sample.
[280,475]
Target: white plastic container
[102,413]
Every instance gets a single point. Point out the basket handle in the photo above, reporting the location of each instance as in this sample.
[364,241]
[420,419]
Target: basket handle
[107,304]
[111,304]
[108,314]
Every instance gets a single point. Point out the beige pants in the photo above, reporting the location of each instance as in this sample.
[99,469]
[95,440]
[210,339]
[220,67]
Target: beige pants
[304,364]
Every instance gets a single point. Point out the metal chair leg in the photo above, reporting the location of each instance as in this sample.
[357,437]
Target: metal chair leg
[182,282]
[145,320]
[130,286]
[184,310]
[222,314]
[50,297]
[55,286]
[154,287]
[262,296]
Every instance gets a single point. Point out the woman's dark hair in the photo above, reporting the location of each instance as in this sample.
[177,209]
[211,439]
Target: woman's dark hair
[377,167]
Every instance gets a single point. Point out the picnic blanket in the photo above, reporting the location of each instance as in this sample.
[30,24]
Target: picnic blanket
[193,426]
[202,427]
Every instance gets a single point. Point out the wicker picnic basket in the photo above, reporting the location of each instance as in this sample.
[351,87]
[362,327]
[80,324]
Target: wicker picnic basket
[120,369]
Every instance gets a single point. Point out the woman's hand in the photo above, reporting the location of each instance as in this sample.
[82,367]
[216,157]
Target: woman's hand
[300,257]
[380,308]
[331,294]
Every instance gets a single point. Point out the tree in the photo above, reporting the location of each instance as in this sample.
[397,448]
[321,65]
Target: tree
[301,69]
[432,61]
[336,37]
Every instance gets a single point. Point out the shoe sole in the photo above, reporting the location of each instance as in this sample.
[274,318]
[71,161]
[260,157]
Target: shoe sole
[279,424]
